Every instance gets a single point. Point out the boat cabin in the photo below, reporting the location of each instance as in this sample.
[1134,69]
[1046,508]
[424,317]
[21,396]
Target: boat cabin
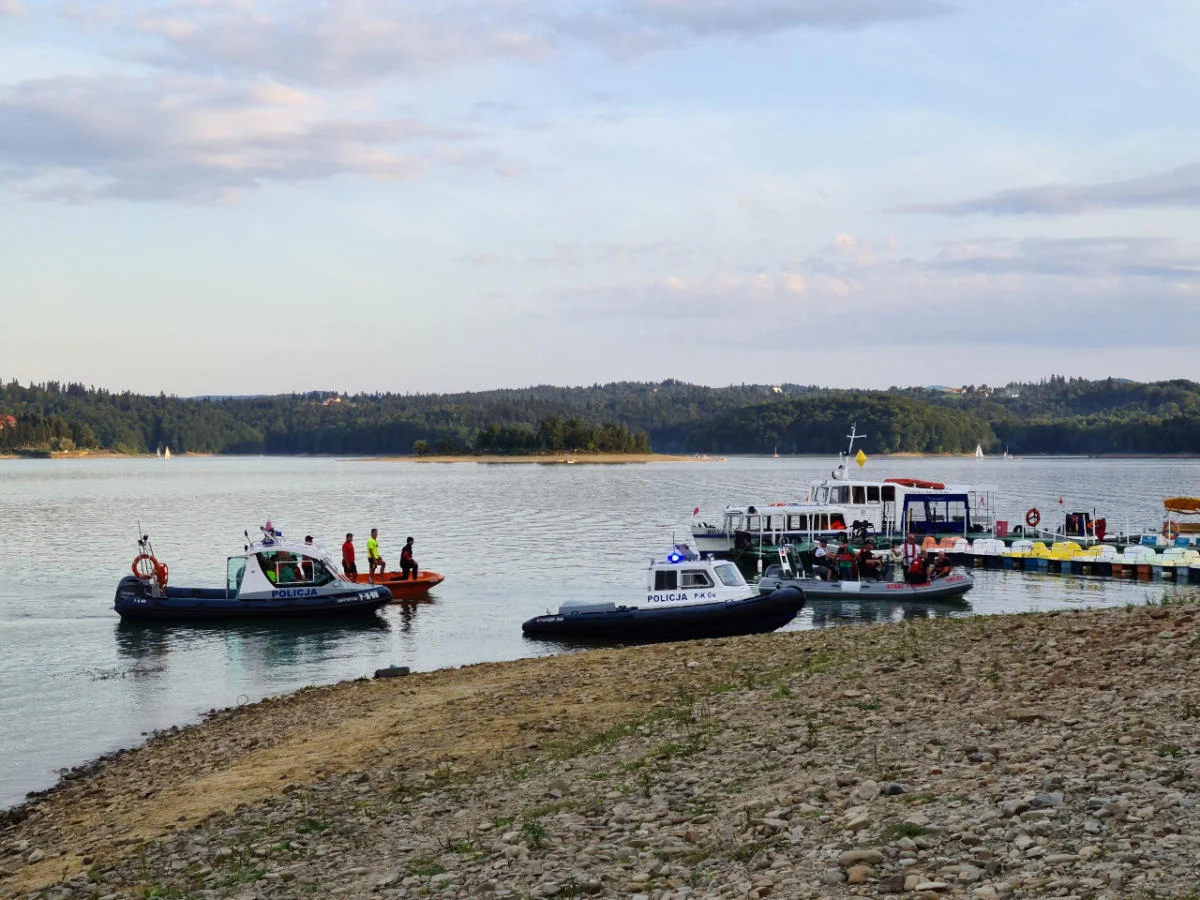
[275,567]
[684,578]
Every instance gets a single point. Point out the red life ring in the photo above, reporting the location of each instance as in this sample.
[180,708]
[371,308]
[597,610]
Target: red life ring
[1033,517]
[148,569]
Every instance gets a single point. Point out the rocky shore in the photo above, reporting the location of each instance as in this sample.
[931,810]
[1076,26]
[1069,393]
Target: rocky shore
[1050,755]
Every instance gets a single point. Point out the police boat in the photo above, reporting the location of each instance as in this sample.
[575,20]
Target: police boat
[273,578]
[686,597]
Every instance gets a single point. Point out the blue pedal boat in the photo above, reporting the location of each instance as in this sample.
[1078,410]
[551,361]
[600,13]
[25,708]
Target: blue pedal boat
[273,579]
[686,597]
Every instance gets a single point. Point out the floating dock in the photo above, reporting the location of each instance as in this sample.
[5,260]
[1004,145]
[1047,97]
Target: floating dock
[1134,562]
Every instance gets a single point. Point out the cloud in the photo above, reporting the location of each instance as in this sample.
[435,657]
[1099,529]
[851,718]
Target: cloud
[202,140]
[1063,292]
[12,9]
[352,42]
[1180,187]
[742,19]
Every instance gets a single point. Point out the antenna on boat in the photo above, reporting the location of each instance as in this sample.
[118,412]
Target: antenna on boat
[839,473]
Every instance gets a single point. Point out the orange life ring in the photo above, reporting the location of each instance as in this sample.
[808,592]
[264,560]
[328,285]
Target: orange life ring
[147,568]
[1171,529]
[1033,517]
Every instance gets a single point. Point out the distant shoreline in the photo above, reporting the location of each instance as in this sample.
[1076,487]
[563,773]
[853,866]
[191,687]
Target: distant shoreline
[602,459]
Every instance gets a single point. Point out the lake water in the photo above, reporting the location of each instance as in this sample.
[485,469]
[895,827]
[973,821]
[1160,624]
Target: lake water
[512,541]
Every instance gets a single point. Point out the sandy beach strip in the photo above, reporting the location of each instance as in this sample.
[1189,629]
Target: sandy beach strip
[989,757]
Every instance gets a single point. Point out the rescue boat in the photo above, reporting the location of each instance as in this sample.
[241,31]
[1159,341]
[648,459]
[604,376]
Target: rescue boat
[686,597]
[272,578]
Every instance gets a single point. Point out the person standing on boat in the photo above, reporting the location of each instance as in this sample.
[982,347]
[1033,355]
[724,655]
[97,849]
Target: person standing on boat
[868,565]
[348,565]
[821,561]
[407,563]
[373,557]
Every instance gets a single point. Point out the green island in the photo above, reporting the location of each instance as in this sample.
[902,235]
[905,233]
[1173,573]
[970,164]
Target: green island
[1054,416]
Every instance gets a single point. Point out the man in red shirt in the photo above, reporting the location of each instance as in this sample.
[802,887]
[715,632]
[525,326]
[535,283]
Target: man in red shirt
[348,565]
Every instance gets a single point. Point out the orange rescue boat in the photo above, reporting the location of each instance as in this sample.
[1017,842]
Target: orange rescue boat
[403,588]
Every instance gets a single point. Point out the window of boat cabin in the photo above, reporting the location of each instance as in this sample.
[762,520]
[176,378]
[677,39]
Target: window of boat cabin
[754,523]
[872,493]
[840,494]
[797,523]
[775,523]
[822,521]
[838,521]
[665,580]
[283,569]
[860,494]
[821,495]
[729,575]
[888,493]
[694,578]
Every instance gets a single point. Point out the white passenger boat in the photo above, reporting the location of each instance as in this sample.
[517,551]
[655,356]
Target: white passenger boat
[883,510]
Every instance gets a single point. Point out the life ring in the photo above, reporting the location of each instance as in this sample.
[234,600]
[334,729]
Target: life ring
[148,569]
[1033,517]
[1171,529]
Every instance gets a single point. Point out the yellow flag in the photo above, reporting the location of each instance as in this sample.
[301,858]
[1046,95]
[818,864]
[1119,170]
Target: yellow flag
[861,459]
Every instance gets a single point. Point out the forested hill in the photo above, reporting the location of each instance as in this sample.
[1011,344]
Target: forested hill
[1058,415]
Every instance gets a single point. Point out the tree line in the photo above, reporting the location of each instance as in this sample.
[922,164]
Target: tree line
[1056,415]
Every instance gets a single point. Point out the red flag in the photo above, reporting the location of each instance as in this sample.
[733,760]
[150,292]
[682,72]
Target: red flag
[696,511]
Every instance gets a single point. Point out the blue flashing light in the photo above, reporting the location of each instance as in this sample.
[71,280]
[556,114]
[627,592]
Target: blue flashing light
[675,558]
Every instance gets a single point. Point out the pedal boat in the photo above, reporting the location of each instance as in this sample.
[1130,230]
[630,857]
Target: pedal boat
[947,588]
[403,588]
[272,579]
[685,598]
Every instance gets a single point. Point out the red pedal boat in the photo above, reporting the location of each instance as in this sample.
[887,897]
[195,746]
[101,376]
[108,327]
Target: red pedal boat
[403,588]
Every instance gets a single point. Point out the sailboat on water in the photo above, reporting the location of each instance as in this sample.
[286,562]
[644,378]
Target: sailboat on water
[979,451]
[166,452]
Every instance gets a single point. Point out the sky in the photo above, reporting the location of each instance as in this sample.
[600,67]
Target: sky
[258,196]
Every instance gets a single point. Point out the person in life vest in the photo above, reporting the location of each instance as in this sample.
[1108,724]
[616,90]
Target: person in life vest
[909,551]
[942,566]
[407,563]
[374,560]
[918,572]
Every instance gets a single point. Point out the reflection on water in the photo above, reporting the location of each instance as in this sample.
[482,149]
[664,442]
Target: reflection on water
[832,612]
[261,645]
[513,541]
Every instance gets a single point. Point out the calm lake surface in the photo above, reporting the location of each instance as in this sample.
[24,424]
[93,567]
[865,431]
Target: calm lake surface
[512,541]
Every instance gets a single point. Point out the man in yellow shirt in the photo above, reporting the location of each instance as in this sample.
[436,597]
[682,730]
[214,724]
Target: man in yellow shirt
[373,557]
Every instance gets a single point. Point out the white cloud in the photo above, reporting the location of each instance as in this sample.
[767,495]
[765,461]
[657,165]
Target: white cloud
[12,9]
[193,139]
[358,41]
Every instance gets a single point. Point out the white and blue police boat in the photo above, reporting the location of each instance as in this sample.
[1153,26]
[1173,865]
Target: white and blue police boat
[686,597]
[273,578]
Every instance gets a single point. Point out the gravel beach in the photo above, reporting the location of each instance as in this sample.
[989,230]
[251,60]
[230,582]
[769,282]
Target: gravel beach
[1045,755]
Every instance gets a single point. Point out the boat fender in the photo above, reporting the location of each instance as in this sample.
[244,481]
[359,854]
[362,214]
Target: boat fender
[1033,517]
[148,569]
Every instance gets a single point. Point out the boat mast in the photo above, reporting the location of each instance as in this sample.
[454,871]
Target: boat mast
[839,474]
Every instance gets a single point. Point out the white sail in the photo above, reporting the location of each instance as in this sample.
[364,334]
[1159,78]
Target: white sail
[166,453]
[979,451]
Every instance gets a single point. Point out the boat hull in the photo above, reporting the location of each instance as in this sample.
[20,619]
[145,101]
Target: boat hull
[952,587]
[751,615]
[136,602]
[403,588]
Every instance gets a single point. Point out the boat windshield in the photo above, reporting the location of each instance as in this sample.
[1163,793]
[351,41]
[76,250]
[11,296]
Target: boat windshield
[729,575]
[288,570]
